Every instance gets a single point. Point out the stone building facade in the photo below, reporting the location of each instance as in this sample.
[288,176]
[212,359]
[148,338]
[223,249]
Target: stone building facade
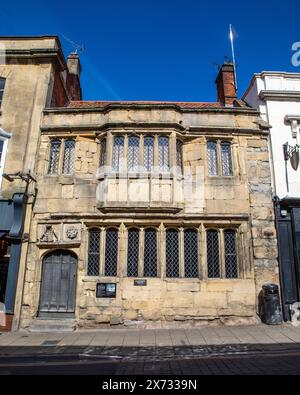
[147,213]
[151,214]
[33,75]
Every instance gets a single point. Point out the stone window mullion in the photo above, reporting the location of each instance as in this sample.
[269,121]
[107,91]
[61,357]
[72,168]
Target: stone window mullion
[219,156]
[109,149]
[141,252]
[200,251]
[222,253]
[203,252]
[125,253]
[102,251]
[181,253]
[141,153]
[122,262]
[162,251]
[173,150]
[61,156]
[125,158]
[156,151]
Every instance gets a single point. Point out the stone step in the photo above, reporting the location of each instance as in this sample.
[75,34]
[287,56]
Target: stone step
[52,325]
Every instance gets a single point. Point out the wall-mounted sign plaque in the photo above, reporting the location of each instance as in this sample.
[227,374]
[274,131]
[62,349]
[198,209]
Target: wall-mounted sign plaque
[140,283]
[106,290]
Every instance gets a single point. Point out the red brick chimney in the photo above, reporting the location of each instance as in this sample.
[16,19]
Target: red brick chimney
[226,85]
[73,77]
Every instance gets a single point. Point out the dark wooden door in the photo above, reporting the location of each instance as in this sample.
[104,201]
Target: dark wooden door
[58,290]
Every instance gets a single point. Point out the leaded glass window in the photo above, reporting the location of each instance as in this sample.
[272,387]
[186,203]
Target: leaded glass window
[148,153]
[150,253]
[111,253]
[231,267]
[212,157]
[54,156]
[133,153]
[133,253]
[226,159]
[69,155]
[191,253]
[172,253]
[2,84]
[94,253]
[213,254]
[163,154]
[179,156]
[102,160]
[118,153]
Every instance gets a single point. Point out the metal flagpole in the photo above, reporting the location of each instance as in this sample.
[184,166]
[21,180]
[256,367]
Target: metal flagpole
[233,56]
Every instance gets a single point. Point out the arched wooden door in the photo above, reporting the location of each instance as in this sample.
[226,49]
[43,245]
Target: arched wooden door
[58,288]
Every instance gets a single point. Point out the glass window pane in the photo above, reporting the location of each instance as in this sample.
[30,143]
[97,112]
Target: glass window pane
[133,153]
[133,253]
[111,253]
[69,153]
[148,153]
[163,154]
[179,156]
[212,156]
[54,157]
[213,254]
[94,252]
[172,253]
[102,161]
[226,159]
[150,253]
[231,266]
[191,253]
[118,153]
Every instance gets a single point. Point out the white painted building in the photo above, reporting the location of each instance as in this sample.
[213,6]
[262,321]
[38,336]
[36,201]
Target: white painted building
[277,96]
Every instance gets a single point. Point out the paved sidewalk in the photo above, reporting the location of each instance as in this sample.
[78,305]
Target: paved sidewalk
[260,336]
[203,351]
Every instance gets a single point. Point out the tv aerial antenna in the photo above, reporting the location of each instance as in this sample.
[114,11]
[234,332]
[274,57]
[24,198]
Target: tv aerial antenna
[78,47]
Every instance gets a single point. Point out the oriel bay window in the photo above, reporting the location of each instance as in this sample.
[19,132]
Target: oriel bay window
[219,158]
[61,157]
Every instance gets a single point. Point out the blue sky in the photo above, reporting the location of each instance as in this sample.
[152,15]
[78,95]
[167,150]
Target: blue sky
[162,49]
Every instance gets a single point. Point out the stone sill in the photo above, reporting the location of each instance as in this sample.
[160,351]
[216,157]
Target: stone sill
[99,279]
[139,176]
[90,279]
[141,207]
